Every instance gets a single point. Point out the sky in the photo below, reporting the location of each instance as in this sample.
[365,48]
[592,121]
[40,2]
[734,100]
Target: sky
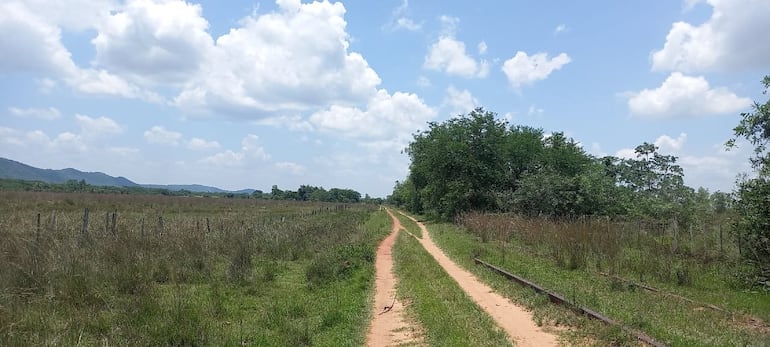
[238,94]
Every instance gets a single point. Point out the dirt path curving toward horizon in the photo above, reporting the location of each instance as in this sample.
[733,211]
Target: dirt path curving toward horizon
[389,325]
[514,319]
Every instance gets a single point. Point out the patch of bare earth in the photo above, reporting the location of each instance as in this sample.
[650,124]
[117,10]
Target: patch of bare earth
[389,325]
[513,319]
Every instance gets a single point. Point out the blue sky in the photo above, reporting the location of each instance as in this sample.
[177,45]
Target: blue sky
[250,94]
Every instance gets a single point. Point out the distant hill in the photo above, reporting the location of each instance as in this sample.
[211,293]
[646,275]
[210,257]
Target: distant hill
[16,170]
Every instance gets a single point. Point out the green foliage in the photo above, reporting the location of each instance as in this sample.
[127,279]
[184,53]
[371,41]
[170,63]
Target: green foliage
[753,228]
[477,162]
[456,164]
[311,193]
[753,196]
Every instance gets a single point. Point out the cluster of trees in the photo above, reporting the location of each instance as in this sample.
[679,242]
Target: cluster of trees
[304,193]
[312,193]
[478,162]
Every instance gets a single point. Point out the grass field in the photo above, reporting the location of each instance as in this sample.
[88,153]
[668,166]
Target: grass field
[184,271]
[159,270]
[667,319]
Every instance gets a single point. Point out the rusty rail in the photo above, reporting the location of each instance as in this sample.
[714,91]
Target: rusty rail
[757,322]
[664,293]
[560,300]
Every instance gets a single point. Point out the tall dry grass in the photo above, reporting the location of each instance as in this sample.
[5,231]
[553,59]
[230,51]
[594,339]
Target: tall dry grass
[642,247]
[62,284]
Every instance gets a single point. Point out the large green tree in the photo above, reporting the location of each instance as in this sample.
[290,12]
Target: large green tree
[458,164]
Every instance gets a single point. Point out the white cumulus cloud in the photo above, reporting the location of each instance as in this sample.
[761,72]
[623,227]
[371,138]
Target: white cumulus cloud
[523,69]
[34,35]
[198,144]
[97,127]
[149,41]
[294,59]
[49,113]
[682,96]
[159,135]
[667,144]
[561,28]
[400,19]
[251,152]
[460,102]
[482,47]
[728,40]
[386,116]
[448,55]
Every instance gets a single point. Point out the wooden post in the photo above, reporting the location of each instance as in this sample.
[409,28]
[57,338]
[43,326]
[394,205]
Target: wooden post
[676,236]
[114,222]
[160,225]
[208,225]
[84,230]
[37,232]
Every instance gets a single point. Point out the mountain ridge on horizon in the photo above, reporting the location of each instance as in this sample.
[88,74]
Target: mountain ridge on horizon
[12,169]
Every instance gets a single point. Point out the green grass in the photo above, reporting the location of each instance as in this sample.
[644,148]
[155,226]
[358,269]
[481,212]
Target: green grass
[266,274]
[408,224]
[447,315]
[668,320]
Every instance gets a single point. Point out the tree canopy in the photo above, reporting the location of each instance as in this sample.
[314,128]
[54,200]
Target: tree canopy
[480,162]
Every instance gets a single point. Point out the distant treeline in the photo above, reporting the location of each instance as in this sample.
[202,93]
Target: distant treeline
[312,193]
[304,193]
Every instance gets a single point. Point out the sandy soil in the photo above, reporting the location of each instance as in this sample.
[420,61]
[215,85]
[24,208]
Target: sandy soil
[389,326]
[514,319]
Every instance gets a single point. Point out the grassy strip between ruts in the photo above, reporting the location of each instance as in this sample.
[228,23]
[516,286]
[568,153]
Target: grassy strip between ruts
[447,314]
[408,224]
[668,320]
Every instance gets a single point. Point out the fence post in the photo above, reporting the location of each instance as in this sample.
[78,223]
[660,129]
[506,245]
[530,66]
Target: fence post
[114,222]
[676,236]
[37,232]
[84,230]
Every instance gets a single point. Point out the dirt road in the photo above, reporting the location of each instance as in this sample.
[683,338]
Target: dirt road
[514,319]
[389,326]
